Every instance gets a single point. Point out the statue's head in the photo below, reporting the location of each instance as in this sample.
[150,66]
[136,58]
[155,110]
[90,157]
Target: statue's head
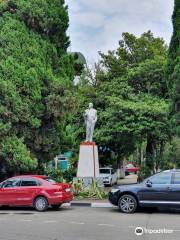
[90,105]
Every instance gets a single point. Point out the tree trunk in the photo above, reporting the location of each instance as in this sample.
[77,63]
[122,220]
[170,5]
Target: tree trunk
[150,152]
[161,151]
[120,168]
[140,154]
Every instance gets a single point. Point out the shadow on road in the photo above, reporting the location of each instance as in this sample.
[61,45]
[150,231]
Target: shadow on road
[29,210]
[150,211]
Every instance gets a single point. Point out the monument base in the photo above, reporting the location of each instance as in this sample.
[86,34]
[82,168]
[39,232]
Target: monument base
[88,162]
[87,181]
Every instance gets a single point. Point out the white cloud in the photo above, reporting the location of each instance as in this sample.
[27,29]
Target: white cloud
[74,6]
[98,24]
[131,6]
[87,18]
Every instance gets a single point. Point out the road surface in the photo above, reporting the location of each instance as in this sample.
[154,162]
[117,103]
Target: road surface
[85,223]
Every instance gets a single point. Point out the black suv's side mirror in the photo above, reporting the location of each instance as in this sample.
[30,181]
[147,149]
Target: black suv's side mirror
[149,183]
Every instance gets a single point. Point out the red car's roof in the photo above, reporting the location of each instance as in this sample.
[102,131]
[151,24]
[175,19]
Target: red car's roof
[36,176]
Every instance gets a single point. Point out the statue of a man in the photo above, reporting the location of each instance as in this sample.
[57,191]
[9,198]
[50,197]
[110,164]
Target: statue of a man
[90,117]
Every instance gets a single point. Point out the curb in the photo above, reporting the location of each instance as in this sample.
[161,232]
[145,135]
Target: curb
[80,204]
[102,205]
[90,204]
[121,184]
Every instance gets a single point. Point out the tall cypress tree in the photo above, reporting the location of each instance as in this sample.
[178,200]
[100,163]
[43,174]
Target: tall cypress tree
[173,67]
[36,76]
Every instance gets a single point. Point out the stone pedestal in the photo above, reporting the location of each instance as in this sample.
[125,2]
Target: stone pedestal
[88,162]
[87,182]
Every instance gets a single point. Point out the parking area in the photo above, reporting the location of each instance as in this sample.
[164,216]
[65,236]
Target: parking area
[85,223]
[130,179]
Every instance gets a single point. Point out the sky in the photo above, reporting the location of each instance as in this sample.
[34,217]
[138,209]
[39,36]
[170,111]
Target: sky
[97,25]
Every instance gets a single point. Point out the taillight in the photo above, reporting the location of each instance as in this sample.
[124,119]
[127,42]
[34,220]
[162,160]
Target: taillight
[67,190]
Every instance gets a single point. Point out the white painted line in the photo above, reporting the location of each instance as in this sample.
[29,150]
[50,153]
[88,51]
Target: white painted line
[105,225]
[102,205]
[78,223]
[50,221]
[26,220]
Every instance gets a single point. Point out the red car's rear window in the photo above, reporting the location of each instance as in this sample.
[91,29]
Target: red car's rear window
[50,180]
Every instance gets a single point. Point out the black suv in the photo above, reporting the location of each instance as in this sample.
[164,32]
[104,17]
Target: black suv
[161,189]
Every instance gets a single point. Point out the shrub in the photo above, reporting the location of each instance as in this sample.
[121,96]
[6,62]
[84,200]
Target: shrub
[56,174]
[92,192]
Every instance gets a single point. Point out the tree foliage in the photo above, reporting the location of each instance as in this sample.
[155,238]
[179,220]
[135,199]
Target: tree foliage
[131,96]
[36,77]
[171,154]
[16,156]
[173,68]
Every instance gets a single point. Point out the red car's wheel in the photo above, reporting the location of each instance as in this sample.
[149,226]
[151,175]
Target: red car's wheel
[41,204]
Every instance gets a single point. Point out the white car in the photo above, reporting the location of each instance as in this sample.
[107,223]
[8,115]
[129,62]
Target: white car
[109,175]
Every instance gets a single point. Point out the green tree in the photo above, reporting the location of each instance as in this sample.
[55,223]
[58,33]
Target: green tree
[130,94]
[171,154]
[36,78]
[16,156]
[173,68]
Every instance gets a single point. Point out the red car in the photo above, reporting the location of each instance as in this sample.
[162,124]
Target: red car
[37,191]
[132,168]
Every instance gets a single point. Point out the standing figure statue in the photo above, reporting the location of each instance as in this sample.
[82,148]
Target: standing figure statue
[90,117]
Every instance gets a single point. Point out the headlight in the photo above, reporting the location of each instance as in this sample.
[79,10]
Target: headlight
[114,190]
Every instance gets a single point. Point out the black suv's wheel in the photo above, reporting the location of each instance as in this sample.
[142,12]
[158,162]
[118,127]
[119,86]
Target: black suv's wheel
[41,204]
[56,206]
[127,204]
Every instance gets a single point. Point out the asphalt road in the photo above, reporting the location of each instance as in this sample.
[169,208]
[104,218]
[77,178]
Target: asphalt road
[85,223]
